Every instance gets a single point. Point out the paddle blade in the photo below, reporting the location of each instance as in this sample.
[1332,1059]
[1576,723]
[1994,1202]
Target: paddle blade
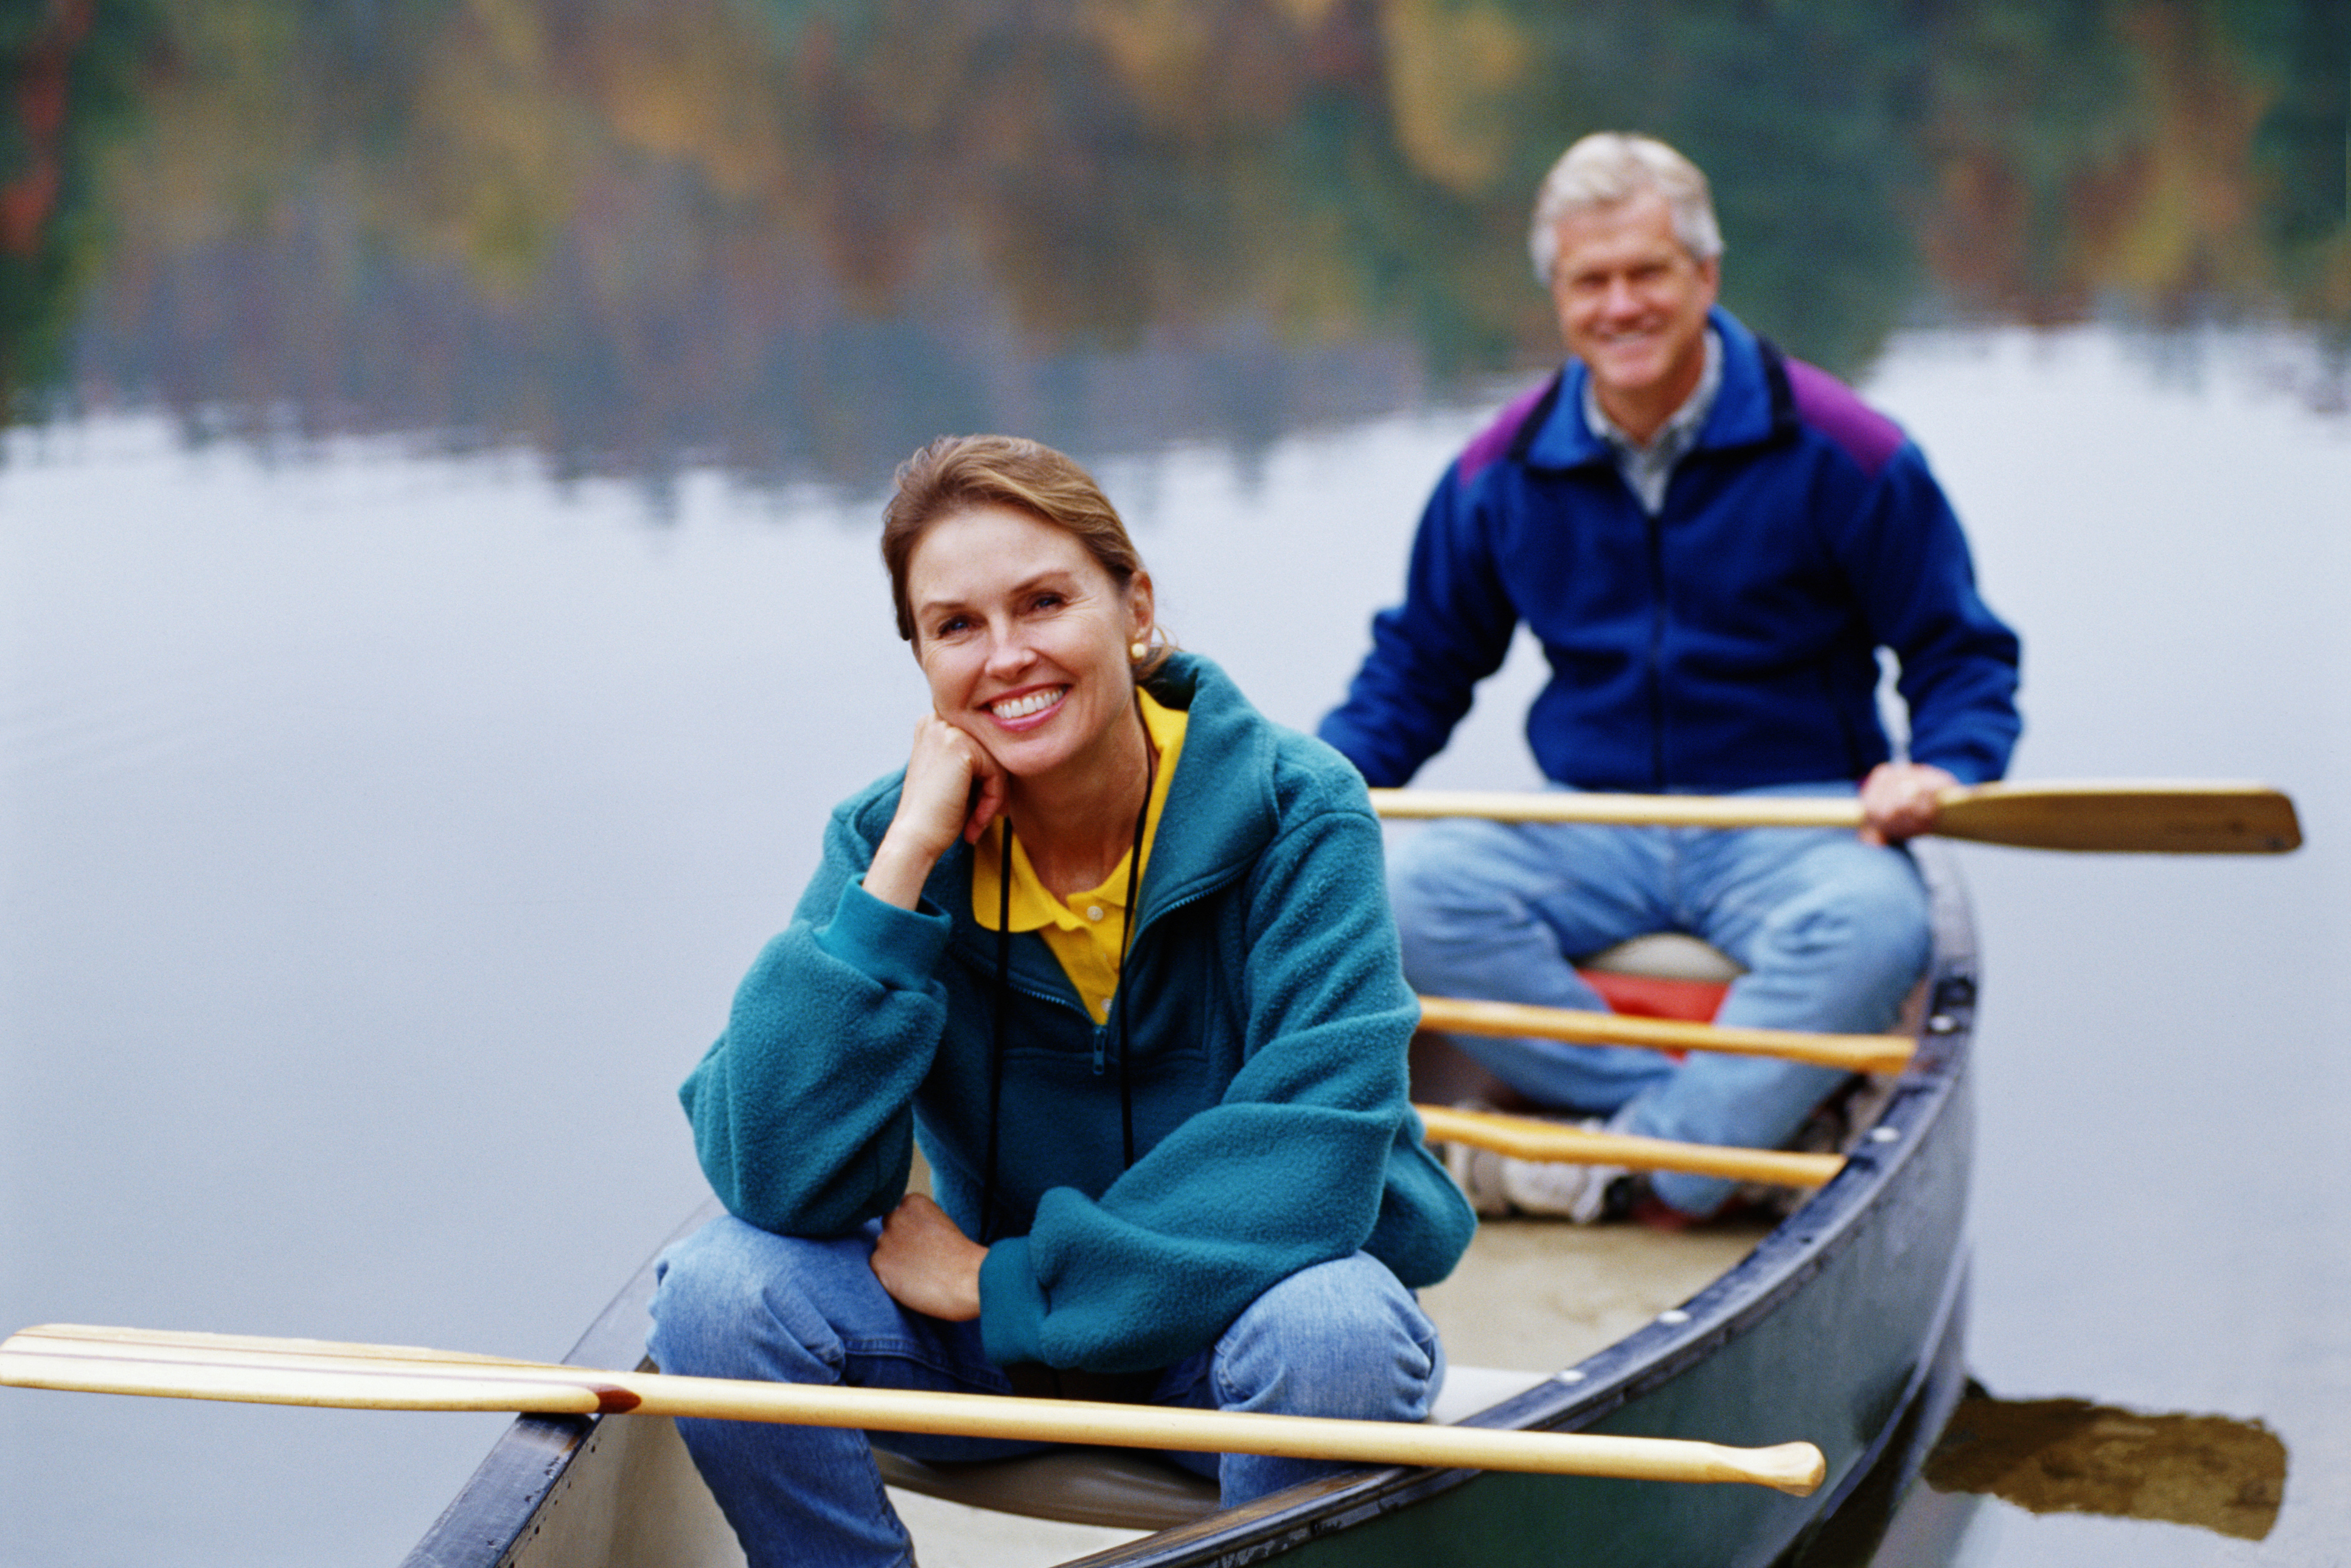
[2144,818]
[247,1369]
[343,1389]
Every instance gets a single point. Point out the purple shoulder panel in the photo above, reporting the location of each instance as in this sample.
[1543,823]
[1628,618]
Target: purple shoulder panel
[1492,443]
[1828,406]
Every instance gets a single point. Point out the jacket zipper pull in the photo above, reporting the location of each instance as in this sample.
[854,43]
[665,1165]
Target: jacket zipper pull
[1101,1048]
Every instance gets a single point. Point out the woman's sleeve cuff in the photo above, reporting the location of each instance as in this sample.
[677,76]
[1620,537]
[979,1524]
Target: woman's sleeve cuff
[1011,1305]
[898,947]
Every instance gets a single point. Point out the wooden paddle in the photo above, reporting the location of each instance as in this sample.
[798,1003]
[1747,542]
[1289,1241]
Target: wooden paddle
[1531,1138]
[2158,816]
[1853,1052]
[400,1378]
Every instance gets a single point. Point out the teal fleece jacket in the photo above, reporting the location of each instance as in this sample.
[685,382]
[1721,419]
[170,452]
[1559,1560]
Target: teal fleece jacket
[1269,1015]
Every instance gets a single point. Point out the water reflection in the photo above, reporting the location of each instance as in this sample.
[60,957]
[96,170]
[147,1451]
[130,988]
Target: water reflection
[792,239]
[2050,1456]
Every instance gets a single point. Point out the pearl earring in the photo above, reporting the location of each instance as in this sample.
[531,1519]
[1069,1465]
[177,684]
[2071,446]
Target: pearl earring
[1138,652]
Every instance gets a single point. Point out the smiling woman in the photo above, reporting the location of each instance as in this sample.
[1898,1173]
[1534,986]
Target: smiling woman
[1027,641]
[1097,849]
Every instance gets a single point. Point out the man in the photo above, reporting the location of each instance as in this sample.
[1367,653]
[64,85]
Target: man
[1712,541]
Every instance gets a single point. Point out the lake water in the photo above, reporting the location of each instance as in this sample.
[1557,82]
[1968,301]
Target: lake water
[438,604]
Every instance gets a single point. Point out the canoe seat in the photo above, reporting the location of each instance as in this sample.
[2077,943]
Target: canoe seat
[1129,1488]
[1665,955]
[1124,1488]
[1665,973]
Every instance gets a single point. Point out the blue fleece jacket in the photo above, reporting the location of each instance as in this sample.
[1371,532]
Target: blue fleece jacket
[1269,1016]
[1730,641]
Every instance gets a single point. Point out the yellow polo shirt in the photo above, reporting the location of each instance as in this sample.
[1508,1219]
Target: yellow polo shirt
[1087,933]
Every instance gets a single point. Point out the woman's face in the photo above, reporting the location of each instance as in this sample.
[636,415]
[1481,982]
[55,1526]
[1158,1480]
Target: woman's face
[1023,637]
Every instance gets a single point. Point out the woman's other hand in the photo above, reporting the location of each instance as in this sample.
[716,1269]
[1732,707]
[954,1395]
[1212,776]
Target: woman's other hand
[953,789]
[927,1264]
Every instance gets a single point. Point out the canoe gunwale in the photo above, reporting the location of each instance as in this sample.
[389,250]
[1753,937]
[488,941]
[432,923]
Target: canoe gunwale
[529,1463]
[496,1509]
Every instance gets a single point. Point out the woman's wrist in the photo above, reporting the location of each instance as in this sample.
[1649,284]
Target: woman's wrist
[898,872]
[958,1287]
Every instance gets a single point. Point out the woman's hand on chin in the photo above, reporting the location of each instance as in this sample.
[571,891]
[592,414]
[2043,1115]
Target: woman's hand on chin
[953,789]
[927,1264]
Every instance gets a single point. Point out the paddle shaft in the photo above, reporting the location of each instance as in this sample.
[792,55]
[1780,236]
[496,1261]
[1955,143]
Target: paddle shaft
[1623,810]
[1853,1052]
[1528,1138]
[314,1372]
[2165,817]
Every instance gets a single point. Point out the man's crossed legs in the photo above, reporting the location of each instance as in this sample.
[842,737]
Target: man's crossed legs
[1832,934]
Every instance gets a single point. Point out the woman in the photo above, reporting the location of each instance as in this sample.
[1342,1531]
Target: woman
[1158,1071]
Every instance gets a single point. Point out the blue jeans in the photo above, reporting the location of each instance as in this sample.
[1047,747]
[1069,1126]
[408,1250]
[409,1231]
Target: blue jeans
[1832,933]
[1342,1338]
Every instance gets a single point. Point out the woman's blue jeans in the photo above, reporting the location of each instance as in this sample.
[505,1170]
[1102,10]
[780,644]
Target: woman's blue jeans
[1343,1338]
[1832,933]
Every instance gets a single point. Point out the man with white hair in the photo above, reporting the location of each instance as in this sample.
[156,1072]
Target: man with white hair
[1712,542]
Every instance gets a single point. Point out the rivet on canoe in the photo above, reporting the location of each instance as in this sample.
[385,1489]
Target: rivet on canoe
[1943,1023]
[1569,1376]
[1884,1135]
[1673,1316]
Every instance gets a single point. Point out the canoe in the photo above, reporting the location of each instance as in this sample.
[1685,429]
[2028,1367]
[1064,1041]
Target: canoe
[1841,1324]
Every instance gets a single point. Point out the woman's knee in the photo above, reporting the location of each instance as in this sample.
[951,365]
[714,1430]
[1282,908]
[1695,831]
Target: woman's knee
[1343,1338]
[731,1297]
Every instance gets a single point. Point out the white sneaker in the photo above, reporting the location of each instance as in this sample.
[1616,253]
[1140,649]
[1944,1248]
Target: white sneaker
[1577,1193]
[1478,1174]
[1498,1184]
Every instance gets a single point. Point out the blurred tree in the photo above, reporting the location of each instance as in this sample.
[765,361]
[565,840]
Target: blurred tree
[2302,152]
[799,235]
[65,66]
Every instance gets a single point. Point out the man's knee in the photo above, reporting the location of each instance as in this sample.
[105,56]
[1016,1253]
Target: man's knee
[1869,906]
[1891,917]
[1427,879]
[1456,887]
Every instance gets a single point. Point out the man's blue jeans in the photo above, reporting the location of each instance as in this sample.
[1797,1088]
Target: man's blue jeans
[1832,933]
[1343,1338]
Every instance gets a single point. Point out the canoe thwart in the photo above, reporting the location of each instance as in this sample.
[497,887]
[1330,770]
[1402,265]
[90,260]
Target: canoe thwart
[1531,1138]
[1853,1052]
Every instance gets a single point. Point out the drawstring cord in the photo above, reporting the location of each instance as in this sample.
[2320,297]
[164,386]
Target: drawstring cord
[1118,999]
[996,1041]
[1126,934]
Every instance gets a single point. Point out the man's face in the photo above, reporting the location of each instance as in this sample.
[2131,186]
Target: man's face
[1633,303]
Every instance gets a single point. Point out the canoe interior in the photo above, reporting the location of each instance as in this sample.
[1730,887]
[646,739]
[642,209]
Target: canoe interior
[1720,1333]
[1532,1297]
